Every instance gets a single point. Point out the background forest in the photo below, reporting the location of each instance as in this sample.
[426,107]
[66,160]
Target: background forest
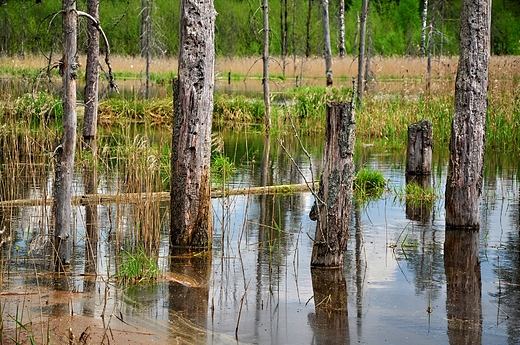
[394,26]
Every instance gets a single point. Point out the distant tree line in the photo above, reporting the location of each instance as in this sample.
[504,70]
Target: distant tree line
[394,27]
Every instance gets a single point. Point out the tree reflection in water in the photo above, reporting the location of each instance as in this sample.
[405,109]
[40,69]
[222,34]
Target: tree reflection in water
[463,286]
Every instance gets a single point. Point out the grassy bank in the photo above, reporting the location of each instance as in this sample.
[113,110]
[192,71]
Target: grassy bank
[396,98]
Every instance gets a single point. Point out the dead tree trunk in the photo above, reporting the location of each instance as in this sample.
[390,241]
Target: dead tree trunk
[342,49]
[326,41]
[92,76]
[332,207]
[420,148]
[423,33]
[361,58]
[190,205]
[64,167]
[265,79]
[466,164]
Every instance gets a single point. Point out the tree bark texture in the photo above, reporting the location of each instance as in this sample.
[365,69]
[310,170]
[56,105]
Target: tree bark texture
[265,79]
[420,148]
[64,168]
[423,32]
[332,207]
[463,286]
[92,75]
[190,206]
[326,41]
[467,142]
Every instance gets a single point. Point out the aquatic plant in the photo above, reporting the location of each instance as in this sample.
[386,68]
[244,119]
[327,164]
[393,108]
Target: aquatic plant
[221,168]
[136,267]
[369,184]
[416,195]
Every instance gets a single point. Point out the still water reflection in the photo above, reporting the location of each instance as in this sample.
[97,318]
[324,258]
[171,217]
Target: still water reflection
[406,279]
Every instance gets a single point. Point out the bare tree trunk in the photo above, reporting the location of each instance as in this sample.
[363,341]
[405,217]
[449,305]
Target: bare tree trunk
[332,207]
[92,76]
[361,58]
[62,207]
[265,79]
[326,41]
[342,49]
[423,34]
[146,41]
[284,31]
[466,164]
[190,206]
[356,35]
[308,27]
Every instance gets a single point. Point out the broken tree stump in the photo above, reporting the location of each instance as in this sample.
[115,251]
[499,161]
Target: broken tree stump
[420,148]
[333,203]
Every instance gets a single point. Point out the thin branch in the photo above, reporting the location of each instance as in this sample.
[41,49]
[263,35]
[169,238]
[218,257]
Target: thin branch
[110,76]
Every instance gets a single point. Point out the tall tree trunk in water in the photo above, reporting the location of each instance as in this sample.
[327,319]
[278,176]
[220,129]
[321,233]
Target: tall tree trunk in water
[265,79]
[190,206]
[342,49]
[361,58]
[64,153]
[332,207]
[423,34]
[92,76]
[468,133]
[326,39]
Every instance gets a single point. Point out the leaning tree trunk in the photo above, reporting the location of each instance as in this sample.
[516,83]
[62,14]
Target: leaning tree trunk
[62,207]
[466,164]
[92,76]
[332,206]
[190,207]
[265,79]
[326,39]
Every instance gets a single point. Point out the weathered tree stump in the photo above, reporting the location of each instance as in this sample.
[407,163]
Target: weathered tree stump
[333,203]
[420,148]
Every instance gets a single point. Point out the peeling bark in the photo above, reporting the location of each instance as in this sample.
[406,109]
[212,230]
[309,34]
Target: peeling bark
[467,142]
[190,206]
[332,210]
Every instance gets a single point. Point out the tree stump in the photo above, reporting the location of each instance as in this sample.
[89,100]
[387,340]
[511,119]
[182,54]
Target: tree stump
[420,148]
[333,203]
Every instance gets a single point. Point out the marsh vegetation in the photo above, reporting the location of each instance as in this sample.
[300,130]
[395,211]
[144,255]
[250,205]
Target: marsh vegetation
[256,283]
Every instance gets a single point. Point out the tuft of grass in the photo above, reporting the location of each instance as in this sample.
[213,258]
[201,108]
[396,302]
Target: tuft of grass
[369,184]
[416,195]
[137,267]
[221,168]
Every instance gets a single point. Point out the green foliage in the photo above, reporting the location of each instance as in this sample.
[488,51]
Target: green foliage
[222,168]
[415,195]
[369,184]
[137,267]
[394,26]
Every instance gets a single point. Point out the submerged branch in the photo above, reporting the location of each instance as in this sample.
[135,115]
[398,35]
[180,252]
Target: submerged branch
[89,199]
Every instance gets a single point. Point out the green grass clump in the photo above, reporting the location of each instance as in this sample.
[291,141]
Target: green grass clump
[221,168]
[415,195]
[369,184]
[137,267]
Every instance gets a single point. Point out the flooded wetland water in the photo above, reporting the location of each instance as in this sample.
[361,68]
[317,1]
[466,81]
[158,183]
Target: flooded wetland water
[398,284]
[406,279]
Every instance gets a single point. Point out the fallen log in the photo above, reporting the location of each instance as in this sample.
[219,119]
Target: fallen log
[129,198]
